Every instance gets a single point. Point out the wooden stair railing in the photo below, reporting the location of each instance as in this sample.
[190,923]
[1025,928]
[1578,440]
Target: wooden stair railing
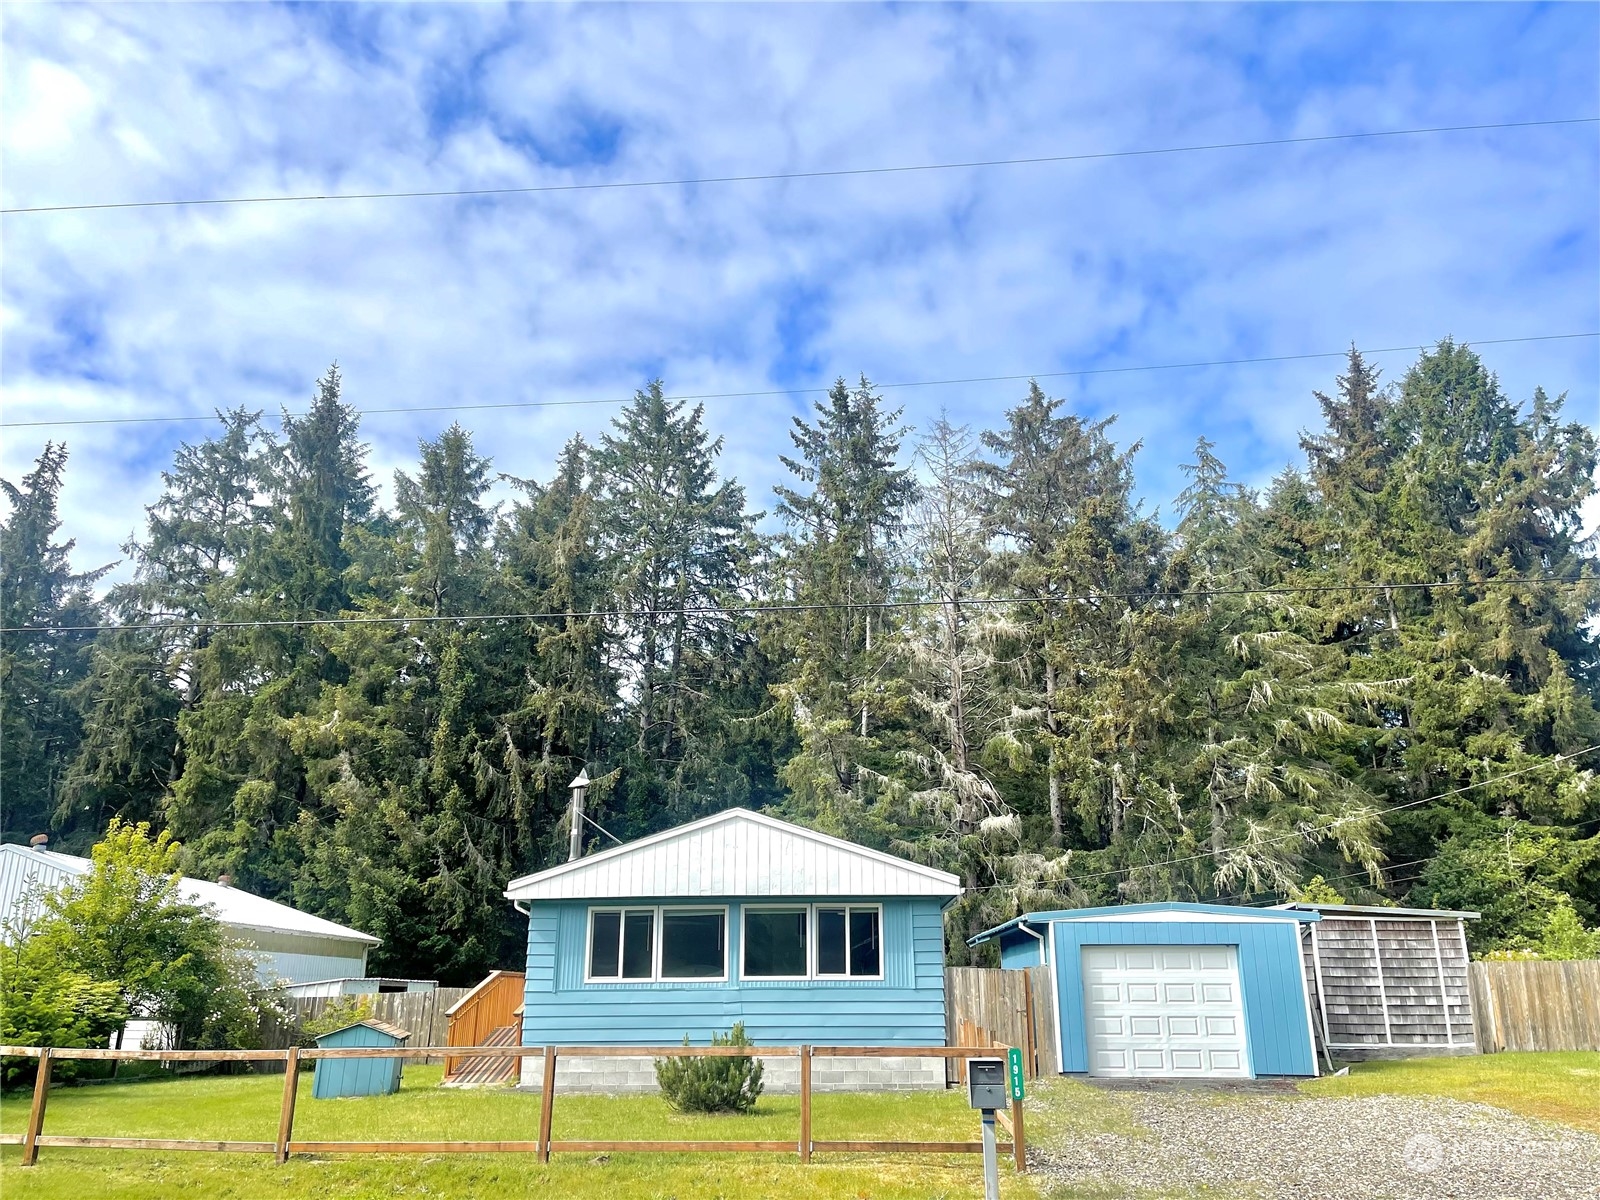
[491,1006]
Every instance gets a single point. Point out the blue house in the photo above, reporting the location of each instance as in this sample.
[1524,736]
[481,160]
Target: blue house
[1172,990]
[740,917]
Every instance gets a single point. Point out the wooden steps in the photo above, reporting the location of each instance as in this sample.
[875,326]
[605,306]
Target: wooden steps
[487,1072]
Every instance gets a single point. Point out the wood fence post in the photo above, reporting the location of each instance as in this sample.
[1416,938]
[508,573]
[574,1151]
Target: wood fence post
[291,1089]
[547,1103]
[1019,1149]
[41,1087]
[805,1104]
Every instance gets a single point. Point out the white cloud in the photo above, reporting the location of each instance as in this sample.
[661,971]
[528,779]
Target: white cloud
[582,295]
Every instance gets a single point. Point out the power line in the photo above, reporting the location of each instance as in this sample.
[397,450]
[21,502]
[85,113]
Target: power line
[911,383]
[694,610]
[773,176]
[1335,824]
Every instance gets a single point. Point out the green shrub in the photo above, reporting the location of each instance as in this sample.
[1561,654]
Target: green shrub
[345,1011]
[699,1084]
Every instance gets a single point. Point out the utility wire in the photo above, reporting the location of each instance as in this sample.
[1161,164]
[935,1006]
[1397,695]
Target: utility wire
[911,383]
[1335,824]
[785,175]
[829,606]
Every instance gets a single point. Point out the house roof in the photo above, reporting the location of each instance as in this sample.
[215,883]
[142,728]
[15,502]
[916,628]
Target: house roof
[735,853]
[1382,910]
[1180,909]
[239,909]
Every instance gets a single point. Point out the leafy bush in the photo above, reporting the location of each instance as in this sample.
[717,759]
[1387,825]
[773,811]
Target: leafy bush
[44,1003]
[1565,937]
[346,1011]
[700,1084]
[124,923]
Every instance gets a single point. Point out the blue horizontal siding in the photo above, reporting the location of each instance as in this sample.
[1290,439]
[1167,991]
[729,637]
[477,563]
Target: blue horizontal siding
[904,1008]
[1277,1025]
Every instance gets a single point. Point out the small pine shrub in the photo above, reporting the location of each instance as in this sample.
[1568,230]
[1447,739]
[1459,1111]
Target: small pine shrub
[712,1085]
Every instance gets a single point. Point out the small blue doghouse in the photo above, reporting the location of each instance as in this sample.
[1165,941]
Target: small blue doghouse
[359,1076]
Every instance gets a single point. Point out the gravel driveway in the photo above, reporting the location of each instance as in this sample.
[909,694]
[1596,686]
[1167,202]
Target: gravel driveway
[1323,1148]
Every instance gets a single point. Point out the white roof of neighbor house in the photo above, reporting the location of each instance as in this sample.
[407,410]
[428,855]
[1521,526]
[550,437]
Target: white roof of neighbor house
[20,865]
[735,853]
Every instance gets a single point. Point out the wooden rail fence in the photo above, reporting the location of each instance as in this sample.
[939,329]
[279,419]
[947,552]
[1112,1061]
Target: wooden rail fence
[543,1145]
[1535,1005]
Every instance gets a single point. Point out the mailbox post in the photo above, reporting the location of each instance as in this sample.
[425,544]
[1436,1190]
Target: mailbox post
[987,1091]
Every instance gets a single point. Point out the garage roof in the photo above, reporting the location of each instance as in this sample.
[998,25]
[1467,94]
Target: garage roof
[1179,910]
[1383,910]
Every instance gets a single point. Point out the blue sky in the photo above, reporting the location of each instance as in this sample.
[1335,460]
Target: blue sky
[585,295]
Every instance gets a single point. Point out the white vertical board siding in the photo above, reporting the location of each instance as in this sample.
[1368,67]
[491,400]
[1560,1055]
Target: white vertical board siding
[736,853]
[24,874]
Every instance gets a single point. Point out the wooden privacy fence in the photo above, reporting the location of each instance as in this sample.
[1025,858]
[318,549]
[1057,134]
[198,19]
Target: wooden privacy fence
[1536,1005]
[984,1005]
[543,1145]
[422,1014]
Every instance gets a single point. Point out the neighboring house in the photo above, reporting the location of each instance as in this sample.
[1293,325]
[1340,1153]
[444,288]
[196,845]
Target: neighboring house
[1389,982]
[1172,990]
[290,946]
[740,917]
[327,989]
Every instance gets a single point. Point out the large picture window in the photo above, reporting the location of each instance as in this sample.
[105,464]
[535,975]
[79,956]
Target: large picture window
[825,941]
[645,944]
[776,943]
[694,945]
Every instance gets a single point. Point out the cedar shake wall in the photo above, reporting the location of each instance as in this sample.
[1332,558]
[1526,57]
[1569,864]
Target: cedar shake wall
[1378,982]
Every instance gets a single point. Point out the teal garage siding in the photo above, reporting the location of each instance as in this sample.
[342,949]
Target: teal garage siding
[1270,977]
[1019,950]
[904,1008]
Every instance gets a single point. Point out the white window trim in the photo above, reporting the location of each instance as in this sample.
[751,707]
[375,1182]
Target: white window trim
[811,921]
[816,943]
[657,927]
[622,932]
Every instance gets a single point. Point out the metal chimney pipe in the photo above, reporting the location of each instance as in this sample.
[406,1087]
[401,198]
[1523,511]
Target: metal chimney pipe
[580,788]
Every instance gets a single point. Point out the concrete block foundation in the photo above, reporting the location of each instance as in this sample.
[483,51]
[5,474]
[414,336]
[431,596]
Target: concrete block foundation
[781,1076]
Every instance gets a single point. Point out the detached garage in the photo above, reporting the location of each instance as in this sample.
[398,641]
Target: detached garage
[1197,991]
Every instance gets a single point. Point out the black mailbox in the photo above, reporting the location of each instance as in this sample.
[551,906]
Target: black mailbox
[986,1083]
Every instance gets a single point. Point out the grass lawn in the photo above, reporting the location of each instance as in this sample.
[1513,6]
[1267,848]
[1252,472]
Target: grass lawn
[246,1108]
[1559,1086]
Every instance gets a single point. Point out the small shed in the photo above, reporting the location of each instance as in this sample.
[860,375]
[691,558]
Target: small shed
[359,1076]
[1389,982]
[1171,991]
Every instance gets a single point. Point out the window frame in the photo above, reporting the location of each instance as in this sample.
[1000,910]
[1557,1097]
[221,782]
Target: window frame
[660,941]
[800,907]
[622,911]
[816,943]
[657,928]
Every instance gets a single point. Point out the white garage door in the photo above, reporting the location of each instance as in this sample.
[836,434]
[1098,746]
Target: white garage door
[1170,1011]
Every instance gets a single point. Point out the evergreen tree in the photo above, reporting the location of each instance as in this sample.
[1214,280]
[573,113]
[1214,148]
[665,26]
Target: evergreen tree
[40,672]
[676,538]
[839,561]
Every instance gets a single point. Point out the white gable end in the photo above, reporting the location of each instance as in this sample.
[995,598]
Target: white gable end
[735,853]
